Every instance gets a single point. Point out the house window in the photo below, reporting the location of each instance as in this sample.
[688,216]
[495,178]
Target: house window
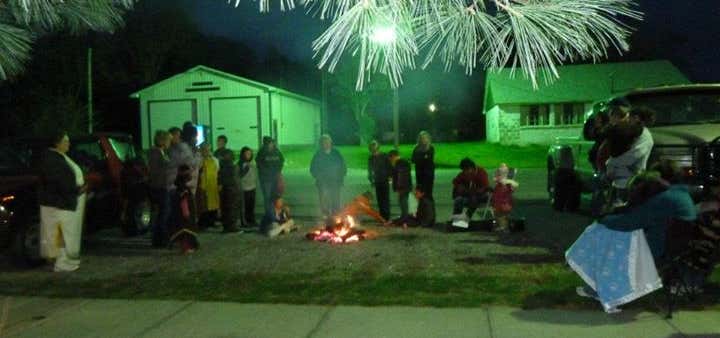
[536,115]
[569,114]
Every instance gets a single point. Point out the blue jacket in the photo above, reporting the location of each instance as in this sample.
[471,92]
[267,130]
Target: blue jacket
[654,216]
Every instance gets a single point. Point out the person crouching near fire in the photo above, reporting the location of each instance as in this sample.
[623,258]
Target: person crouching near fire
[401,180]
[361,204]
[502,197]
[278,220]
[425,215]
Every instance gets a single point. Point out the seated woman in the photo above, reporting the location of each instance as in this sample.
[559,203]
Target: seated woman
[278,220]
[616,256]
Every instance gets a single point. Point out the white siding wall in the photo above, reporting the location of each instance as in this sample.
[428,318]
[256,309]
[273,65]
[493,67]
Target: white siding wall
[298,119]
[492,131]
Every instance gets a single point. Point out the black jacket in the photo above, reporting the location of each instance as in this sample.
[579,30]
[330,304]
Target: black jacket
[402,181]
[328,169]
[424,160]
[58,187]
[379,169]
[269,163]
[426,212]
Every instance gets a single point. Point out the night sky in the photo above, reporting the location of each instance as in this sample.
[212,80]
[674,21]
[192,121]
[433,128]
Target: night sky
[684,32]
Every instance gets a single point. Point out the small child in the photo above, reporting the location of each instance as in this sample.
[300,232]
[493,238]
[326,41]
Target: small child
[278,221]
[181,220]
[425,215]
[502,196]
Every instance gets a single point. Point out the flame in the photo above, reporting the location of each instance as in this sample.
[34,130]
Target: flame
[342,232]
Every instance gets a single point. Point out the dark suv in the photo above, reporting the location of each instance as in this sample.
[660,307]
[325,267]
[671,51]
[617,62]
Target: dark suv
[116,177]
[687,130]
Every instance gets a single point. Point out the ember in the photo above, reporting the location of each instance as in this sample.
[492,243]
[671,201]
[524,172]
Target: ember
[338,231]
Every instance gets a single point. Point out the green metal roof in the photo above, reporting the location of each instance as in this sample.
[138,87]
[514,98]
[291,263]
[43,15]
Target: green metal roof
[579,83]
[229,76]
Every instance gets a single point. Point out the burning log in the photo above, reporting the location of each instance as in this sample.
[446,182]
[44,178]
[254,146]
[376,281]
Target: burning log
[338,231]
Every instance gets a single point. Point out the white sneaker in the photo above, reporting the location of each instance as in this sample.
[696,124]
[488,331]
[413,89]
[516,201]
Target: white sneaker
[66,269]
[582,292]
[275,231]
[613,310]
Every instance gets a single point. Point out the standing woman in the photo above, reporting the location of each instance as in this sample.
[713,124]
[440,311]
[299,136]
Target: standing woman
[208,192]
[424,159]
[248,184]
[62,205]
[269,163]
[160,184]
[186,154]
[329,170]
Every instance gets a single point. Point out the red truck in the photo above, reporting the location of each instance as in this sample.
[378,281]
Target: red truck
[117,189]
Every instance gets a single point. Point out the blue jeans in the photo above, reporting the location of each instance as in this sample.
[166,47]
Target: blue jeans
[471,202]
[160,199]
[269,189]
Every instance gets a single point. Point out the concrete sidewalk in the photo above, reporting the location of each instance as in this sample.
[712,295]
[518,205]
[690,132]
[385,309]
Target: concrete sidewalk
[42,317]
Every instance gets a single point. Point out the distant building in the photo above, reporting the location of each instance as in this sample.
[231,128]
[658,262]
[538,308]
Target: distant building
[244,110]
[515,113]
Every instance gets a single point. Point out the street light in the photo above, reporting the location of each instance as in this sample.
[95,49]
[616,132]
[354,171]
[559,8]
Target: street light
[432,108]
[386,35]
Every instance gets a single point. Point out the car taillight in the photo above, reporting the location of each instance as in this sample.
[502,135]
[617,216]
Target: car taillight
[7,198]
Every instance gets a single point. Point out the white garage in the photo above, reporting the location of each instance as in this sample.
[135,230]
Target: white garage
[242,109]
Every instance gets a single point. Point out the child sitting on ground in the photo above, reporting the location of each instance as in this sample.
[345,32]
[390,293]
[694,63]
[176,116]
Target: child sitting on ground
[425,215]
[278,220]
[502,196]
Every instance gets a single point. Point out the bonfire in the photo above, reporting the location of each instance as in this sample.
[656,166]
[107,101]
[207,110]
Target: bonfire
[339,230]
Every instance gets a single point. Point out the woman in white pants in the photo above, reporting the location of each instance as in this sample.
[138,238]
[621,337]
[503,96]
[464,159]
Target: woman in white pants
[62,206]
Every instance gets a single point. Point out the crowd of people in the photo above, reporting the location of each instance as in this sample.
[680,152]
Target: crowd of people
[192,188]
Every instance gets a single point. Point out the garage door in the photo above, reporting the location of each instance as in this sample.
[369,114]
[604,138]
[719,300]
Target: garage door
[238,119]
[167,114]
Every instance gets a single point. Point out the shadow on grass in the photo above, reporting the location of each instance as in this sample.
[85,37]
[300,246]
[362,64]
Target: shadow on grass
[407,238]
[511,259]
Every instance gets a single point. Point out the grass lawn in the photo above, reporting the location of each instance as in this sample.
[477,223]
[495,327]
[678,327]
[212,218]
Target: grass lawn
[414,267]
[447,155]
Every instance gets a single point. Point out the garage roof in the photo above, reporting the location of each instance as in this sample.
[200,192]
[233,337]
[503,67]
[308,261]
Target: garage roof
[579,83]
[213,71]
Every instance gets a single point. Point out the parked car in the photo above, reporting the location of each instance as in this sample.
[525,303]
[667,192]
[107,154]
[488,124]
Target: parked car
[117,195]
[687,130]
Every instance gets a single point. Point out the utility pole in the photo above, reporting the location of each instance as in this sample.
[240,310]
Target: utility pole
[89,90]
[324,104]
[396,117]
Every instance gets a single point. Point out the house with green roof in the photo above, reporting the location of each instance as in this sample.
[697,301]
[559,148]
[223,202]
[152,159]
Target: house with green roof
[226,104]
[517,113]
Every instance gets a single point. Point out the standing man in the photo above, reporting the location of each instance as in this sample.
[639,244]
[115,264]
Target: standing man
[379,170]
[329,170]
[269,163]
[402,181]
[230,196]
